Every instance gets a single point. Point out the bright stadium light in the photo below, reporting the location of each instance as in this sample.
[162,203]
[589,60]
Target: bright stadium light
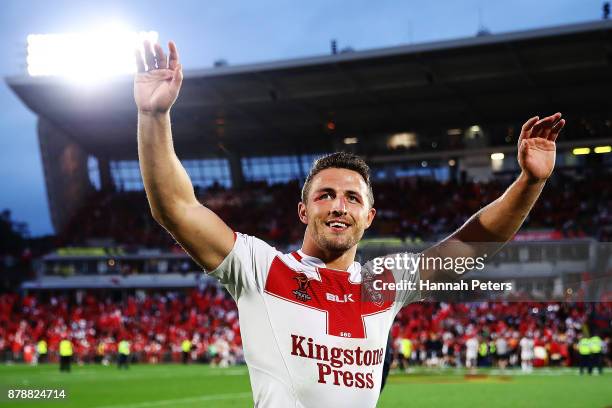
[398,140]
[497,161]
[86,57]
[603,149]
[578,151]
[454,132]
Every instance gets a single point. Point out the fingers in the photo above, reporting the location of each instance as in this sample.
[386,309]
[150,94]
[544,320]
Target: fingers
[177,77]
[543,126]
[140,66]
[556,129]
[173,59]
[149,57]
[529,124]
[546,122]
[155,57]
[526,129]
[160,57]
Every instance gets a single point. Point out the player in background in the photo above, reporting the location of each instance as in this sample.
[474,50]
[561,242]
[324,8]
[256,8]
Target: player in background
[501,345]
[513,346]
[309,363]
[471,352]
[527,344]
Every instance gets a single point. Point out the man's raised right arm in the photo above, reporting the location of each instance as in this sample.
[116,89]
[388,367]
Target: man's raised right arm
[169,190]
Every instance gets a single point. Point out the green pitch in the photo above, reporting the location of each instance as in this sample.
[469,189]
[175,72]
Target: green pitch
[149,386]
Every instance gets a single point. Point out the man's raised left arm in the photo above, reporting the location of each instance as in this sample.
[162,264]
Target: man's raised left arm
[494,225]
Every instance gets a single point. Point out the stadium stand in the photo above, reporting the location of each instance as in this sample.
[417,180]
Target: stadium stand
[414,208]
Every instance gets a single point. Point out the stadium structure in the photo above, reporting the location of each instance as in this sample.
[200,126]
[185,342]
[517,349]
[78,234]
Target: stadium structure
[445,111]
[438,124]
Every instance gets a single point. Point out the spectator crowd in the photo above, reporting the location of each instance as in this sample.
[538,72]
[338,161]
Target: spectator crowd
[413,208]
[157,323]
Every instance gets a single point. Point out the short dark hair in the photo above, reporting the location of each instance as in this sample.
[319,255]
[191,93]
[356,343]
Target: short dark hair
[339,160]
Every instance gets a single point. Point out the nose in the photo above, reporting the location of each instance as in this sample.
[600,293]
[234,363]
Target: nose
[339,206]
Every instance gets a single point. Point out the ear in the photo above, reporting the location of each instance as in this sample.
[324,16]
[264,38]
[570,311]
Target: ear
[302,213]
[371,215]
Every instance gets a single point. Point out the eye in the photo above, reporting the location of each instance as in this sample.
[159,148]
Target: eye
[353,199]
[324,195]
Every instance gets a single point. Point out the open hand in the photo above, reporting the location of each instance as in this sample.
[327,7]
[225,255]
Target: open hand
[536,146]
[157,85]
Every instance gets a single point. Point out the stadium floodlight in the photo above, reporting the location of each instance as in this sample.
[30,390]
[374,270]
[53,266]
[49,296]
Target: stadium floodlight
[579,151]
[454,132]
[603,149]
[86,57]
[497,161]
[350,140]
[406,140]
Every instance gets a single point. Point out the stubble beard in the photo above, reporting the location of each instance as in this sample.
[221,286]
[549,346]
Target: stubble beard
[336,243]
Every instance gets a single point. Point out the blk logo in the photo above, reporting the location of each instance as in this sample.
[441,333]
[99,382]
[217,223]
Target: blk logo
[347,298]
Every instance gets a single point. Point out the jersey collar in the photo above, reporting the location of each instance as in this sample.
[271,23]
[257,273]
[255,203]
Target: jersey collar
[313,261]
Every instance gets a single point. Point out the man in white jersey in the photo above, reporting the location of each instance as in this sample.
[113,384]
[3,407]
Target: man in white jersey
[312,337]
[471,352]
[527,345]
[501,344]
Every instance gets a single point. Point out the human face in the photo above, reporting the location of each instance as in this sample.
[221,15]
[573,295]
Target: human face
[337,211]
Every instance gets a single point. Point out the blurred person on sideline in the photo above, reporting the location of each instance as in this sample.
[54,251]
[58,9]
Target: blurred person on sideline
[123,351]
[65,352]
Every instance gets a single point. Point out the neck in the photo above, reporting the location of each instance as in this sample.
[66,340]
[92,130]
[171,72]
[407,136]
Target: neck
[340,260]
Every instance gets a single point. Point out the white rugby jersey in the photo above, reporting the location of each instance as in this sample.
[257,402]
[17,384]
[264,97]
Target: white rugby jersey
[310,336]
[527,346]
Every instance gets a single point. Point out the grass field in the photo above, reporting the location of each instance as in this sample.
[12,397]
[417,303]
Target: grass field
[148,386]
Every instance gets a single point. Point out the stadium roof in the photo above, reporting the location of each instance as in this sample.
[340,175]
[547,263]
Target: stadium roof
[285,106]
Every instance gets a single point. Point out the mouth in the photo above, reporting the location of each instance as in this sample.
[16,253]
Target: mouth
[337,226]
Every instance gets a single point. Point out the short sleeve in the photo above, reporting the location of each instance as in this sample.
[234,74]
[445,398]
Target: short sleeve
[245,268]
[402,270]
[409,276]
